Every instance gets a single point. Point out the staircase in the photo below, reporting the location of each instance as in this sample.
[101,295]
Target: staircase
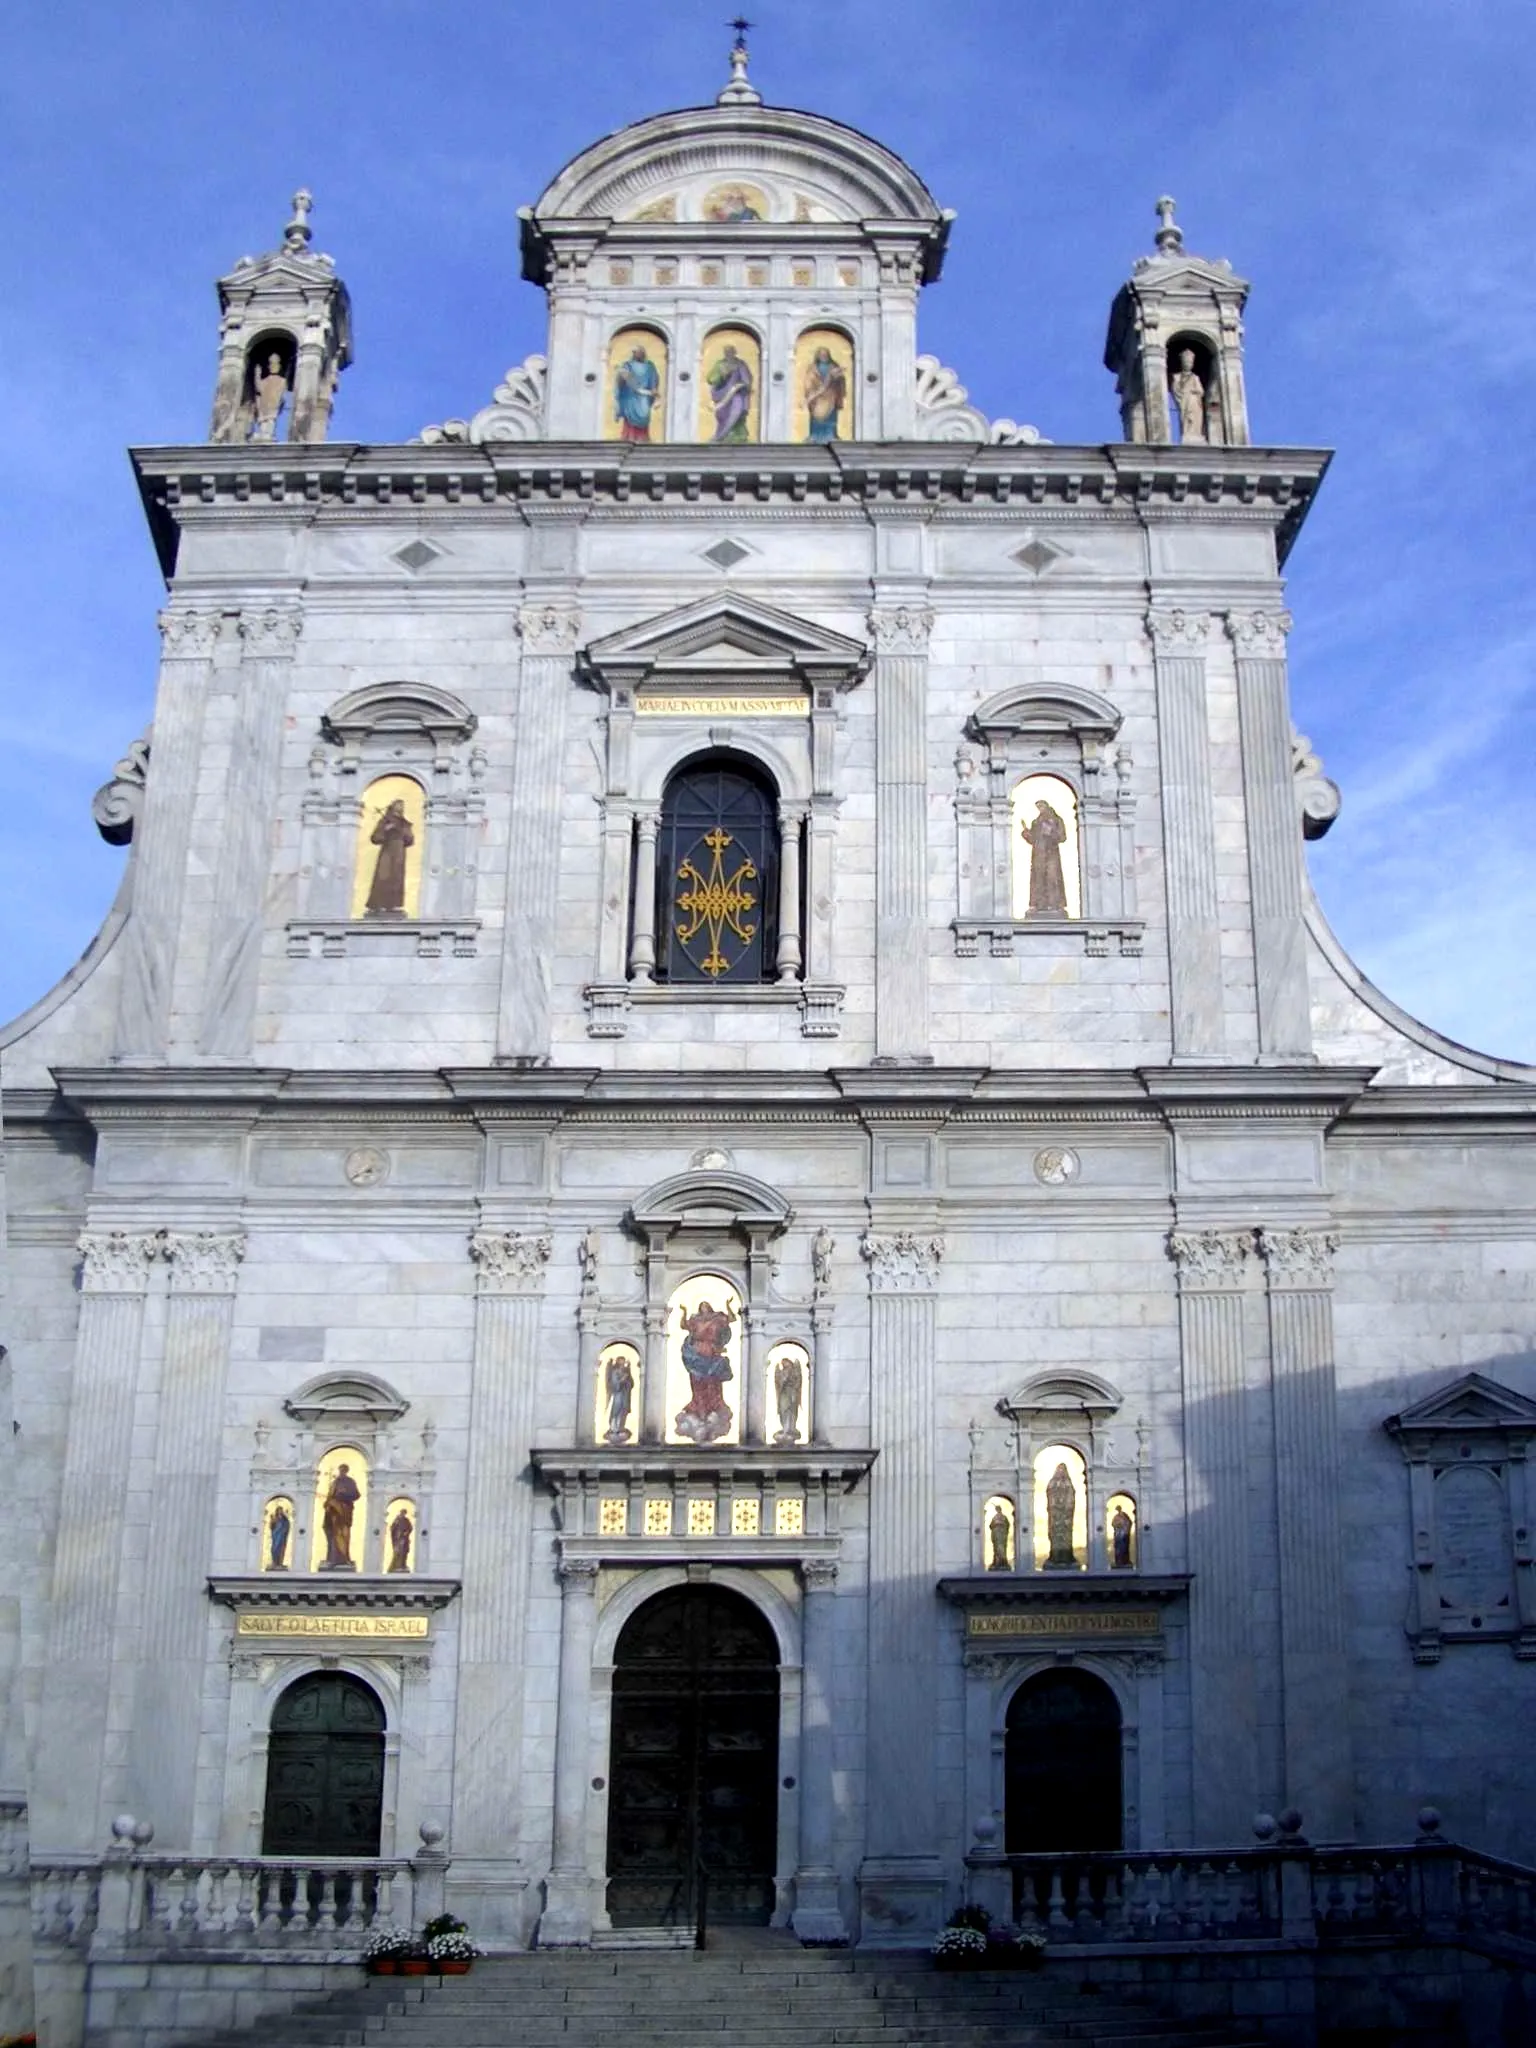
[762,1994]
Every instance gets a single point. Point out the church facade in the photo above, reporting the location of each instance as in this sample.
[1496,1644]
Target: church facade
[715,1211]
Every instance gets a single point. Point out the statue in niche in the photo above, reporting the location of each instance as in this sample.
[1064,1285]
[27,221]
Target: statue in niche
[336,1521]
[279,1530]
[392,835]
[269,393]
[1188,389]
[998,1534]
[1060,1513]
[401,1530]
[706,1334]
[586,1253]
[826,393]
[636,388]
[730,391]
[823,1245]
[619,1386]
[788,1393]
[1046,833]
[1121,1529]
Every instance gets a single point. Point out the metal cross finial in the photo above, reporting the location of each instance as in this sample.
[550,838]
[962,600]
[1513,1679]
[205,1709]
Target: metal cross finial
[740,90]
[297,234]
[1170,236]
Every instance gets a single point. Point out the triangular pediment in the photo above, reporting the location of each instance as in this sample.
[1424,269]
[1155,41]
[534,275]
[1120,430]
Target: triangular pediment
[727,633]
[1470,1403]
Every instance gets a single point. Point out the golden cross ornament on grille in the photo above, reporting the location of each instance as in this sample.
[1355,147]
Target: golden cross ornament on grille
[716,902]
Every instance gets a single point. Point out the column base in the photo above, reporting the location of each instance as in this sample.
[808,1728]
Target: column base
[901,1901]
[566,1921]
[817,1918]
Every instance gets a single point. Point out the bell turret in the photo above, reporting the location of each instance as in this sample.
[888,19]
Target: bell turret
[1175,345]
[285,337]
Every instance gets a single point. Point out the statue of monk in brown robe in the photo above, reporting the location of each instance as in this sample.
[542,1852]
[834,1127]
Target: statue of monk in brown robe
[1046,832]
[392,835]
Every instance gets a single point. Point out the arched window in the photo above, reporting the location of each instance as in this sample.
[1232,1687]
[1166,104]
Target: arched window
[717,875]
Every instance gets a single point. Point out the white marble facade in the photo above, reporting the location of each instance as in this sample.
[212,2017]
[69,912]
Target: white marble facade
[1159,1173]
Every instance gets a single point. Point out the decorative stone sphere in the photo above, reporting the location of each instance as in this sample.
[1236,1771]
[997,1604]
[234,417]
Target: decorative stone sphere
[1264,1826]
[144,1833]
[1429,1818]
[986,1830]
[1290,1821]
[123,1827]
[431,1834]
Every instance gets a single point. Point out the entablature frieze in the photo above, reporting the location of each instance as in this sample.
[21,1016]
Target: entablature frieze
[342,1593]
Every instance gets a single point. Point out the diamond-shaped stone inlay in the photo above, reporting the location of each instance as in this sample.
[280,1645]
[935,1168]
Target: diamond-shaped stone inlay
[1037,555]
[725,554]
[416,554]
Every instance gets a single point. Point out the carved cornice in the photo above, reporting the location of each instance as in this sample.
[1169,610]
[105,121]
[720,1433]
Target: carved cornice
[118,1261]
[901,628]
[1298,1260]
[189,635]
[1259,635]
[509,1261]
[273,632]
[902,1261]
[1211,1261]
[1175,631]
[549,628]
[204,1261]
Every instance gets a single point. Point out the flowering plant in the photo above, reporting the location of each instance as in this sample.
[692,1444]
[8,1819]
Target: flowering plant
[387,1941]
[445,1923]
[452,1948]
[959,1944]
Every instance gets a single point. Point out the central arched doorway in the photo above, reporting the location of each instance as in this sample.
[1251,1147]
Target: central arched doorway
[1062,1764]
[693,1791]
[325,1769]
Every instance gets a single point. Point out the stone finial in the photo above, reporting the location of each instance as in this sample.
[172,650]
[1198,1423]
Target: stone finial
[298,234]
[1170,236]
[740,92]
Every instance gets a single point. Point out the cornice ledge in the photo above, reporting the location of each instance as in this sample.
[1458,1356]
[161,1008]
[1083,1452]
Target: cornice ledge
[1063,1589]
[1255,1091]
[401,1593]
[513,1087]
[94,1091]
[902,1086]
[665,1462]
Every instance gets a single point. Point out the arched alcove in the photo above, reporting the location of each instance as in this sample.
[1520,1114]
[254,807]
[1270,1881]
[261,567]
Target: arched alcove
[1062,1764]
[325,1769]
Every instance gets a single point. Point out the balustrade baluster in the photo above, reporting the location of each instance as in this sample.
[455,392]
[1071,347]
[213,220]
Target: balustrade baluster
[1055,1913]
[245,1900]
[85,1895]
[270,1903]
[1471,1897]
[1137,1916]
[213,1919]
[186,1918]
[1114,1903]
[157,1882]
[383,1900]
[326,1904]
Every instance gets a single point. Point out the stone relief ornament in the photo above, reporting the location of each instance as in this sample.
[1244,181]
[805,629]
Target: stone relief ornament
[272,632]
[1259,636]
[1210,1259]
[1317,794]
[901,628]
[509,1261]
[515,413]
[1176,631]
[204,1261]
[189,635]
[367,1167]
[1300,1259]
[1056,1165]
[118,1261]
[943,412]
[549,628]
[117,804]
[902,1261]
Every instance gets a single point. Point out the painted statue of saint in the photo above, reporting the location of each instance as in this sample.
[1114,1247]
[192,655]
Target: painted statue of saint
[619,1386]
[392,835]
[636,392]
[1120,1529]
[1188,388]
[826,393]
[270,393]
[730,392]
[706,1334]
[998,1533]
[336,1521]
[788,1393]
[401,1530]
[1060,1511]
[1046,832]
[279,1529]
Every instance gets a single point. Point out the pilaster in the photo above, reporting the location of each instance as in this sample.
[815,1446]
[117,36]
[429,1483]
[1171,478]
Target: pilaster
[567,1918]
[163,834]
[1214,1269]
[1189,833]
[900,1881]
[1298,1265]
[93,1498]
[509,1277]
[818,1915]
[162,1755]
[1274,834]
[548,630]
[268,639]
[901,633]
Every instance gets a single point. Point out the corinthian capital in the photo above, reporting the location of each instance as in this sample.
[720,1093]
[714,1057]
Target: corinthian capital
[1298,1259]
[189,635]
[509,1261]
[204,1261]
[1176,631]
[901,628]
[549,628]
[118,1261]
[902,1261]
[1210,1261]
[1259,635]
[274,631]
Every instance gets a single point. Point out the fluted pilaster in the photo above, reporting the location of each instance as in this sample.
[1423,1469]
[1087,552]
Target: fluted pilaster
[549,632]
[567,1917]
[1274,834]
[901,635]
[817,1916]
[509,1274]
[1189,831]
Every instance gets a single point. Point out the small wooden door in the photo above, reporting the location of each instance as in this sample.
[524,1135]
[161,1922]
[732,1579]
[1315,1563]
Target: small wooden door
[325,1769]
[1062,1764]
[694,1778]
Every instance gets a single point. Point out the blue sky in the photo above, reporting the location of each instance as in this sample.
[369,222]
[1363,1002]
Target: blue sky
[1369,166]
